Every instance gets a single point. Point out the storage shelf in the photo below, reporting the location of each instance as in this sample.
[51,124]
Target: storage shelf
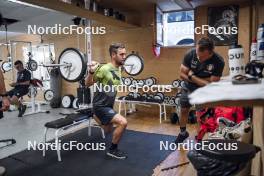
[78,11]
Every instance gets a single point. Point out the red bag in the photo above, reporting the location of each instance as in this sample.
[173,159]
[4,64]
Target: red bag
[208,120]
[235,114]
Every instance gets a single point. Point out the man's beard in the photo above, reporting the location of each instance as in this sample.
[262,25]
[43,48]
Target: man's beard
[120,63]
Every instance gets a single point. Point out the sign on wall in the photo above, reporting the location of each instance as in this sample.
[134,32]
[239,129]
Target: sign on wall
[223,22]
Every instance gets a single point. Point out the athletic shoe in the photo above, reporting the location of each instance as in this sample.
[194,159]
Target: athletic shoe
[181,137]
[118,154]
[2,171]
[22,110]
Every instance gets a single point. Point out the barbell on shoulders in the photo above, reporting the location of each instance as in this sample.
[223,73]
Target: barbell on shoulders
[72,64]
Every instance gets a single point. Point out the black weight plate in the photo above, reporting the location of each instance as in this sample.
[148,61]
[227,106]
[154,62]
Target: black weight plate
[171,101]
[75,103]
[176,83]
[181,83]
[141,82]
[48,95]
[154,80]
[128,81]
[161,95]
[67,100]
[149,82]
[32,65]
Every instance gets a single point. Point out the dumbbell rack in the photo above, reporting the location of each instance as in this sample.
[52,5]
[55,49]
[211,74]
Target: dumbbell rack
[132,103]
[162,107]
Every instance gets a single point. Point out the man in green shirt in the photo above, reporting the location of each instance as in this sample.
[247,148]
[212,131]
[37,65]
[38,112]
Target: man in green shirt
[103,101]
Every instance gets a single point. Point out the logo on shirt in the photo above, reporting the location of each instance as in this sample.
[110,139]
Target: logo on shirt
[194,64]
[210,67]
[115,77]
[111,111]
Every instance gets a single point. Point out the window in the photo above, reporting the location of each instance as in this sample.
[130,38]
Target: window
[175,28]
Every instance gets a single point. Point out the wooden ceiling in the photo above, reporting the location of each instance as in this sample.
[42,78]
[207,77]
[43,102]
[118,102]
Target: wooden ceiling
[142,5]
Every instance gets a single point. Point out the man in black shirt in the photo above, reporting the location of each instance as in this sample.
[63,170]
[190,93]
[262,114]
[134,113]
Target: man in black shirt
[200,66]
[21,87]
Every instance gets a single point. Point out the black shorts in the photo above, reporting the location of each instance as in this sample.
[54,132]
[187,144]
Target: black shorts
[184,99]
[19,92]
[104,114]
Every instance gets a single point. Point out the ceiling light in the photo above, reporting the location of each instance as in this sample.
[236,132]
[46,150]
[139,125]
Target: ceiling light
[30,5]
[185,4]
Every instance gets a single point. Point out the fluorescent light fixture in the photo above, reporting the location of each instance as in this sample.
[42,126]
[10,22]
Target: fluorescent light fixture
[185,4]
[28,4]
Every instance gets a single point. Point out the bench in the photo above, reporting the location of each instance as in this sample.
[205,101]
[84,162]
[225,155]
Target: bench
[67,123]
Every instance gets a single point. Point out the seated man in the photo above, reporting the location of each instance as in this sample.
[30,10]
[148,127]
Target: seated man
[21,87]
[103,101]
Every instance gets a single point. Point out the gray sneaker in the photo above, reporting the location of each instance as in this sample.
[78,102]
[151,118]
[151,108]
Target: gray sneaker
[118,154]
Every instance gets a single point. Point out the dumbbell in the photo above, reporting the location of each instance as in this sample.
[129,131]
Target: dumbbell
[136,96]
[128,81]
[181,83]
[159,97]
[140,82]
[123,80]
[134,82]
[171,101]
[150,98]
[166,99]
[130,96]
[175,83]
[150,81]
[144,96]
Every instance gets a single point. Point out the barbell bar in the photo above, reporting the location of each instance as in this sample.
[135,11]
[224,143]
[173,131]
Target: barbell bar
[72,64]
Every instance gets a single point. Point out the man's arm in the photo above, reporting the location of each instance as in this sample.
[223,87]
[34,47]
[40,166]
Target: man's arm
[216,75]
[89,80]
[184,73]
[25,83]
[202,81]
[2,84]
[5,101]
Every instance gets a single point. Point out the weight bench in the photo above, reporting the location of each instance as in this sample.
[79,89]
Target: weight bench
[64,124]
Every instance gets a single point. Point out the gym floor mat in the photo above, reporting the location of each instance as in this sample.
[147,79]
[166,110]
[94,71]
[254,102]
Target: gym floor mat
[143,151]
